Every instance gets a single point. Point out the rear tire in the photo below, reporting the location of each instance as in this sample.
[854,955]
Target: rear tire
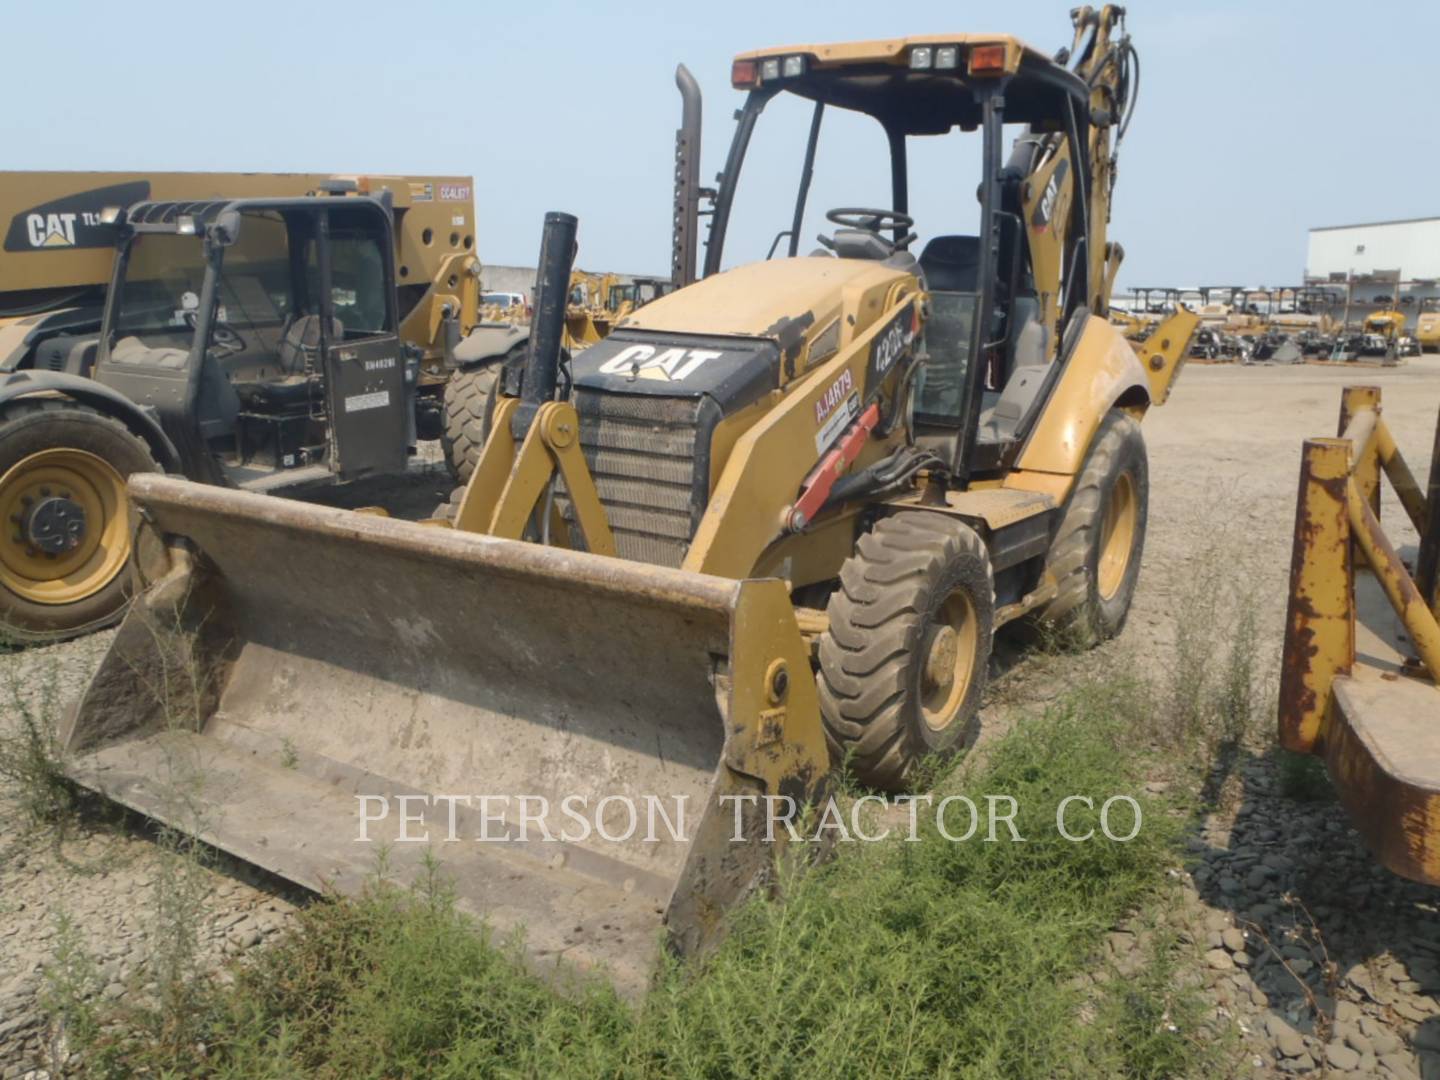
[59,450]
[1095,556]
[903,663]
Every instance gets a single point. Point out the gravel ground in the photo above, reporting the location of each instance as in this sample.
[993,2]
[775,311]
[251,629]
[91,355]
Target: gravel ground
[1321,962]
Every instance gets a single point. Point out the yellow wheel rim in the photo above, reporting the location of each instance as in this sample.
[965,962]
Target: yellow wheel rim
[948,650]
[1117,536]
[66,526]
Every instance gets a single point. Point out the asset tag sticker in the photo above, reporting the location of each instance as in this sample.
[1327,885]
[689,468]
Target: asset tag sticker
[837,423]
[360,402]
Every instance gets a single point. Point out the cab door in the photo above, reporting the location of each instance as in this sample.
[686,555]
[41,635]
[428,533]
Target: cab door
[369,387]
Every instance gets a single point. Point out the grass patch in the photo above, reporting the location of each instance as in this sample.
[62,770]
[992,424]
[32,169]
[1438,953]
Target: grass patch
[30,753]
[1303,777]
[925,958]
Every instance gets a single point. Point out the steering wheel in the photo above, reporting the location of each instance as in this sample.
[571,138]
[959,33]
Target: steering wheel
[224,338]
[875,222]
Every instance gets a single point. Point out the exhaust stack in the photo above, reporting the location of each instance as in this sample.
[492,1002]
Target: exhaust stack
[547,330]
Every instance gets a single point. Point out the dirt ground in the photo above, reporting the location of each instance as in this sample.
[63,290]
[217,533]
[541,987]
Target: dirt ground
[1325,963]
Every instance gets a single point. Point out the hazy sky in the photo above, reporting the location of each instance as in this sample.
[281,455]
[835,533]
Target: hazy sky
[1255,121]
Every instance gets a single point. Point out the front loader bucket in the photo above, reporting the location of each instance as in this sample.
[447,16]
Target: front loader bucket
[301,667]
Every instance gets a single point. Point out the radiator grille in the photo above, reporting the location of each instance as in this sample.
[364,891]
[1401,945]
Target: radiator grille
[641,452]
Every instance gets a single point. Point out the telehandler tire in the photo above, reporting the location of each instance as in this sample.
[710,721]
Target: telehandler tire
[903,663]
[63,468]
[1095,556]
[468,397]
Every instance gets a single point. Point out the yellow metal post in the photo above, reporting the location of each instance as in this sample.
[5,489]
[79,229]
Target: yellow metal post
[1320,620]
[1359,415]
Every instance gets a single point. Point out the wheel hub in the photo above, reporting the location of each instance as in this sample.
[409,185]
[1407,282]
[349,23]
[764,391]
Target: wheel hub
[1117,536]
[64,527]
[940,662]
[55,524]
[949,651]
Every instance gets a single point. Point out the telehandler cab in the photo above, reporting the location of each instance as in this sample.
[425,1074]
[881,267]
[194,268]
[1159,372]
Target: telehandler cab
[769,525]
[172,321]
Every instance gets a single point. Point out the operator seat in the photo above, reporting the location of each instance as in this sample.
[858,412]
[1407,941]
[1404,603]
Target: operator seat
[299,363]
[952,264]
[300,346]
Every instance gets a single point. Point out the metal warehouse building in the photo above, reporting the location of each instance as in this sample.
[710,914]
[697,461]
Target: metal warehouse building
[1380,254]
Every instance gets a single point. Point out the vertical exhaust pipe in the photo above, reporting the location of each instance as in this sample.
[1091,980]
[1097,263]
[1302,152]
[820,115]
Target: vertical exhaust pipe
[685,227]
[547,328]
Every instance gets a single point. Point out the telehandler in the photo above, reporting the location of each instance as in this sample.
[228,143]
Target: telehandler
[765,528]
[104,343]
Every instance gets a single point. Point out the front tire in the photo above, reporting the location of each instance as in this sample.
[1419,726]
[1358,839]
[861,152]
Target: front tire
[469,400]
[903,663]
[1095,556]
[66,525]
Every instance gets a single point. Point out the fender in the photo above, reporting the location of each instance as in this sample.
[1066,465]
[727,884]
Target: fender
[1104,372]
[489,344]
[112,403]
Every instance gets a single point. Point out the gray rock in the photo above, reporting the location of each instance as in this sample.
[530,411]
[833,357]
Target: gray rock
[1219,960]
[1286,1039]
[1385,1043]
[1427,1037]
[1354,1039]
[1400,1065]
[1410,1009]
[1341,1056]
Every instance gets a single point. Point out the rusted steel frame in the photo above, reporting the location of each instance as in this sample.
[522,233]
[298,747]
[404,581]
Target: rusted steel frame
[1320,617]
[1360,433]
[1359,414]
[1427,562]
[1401,478]
[1404,597]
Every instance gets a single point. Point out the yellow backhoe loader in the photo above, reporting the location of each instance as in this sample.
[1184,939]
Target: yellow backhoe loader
[767,527]
[1362,644]
[81,277]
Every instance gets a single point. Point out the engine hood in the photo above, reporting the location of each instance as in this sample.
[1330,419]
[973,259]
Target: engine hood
[773,299]
[737,335]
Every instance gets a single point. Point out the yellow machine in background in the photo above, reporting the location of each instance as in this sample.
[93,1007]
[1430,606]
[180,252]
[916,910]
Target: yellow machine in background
[77,417]
[767,527]
[1388,324]
[1362,643]
[588,316]
[1427,331]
